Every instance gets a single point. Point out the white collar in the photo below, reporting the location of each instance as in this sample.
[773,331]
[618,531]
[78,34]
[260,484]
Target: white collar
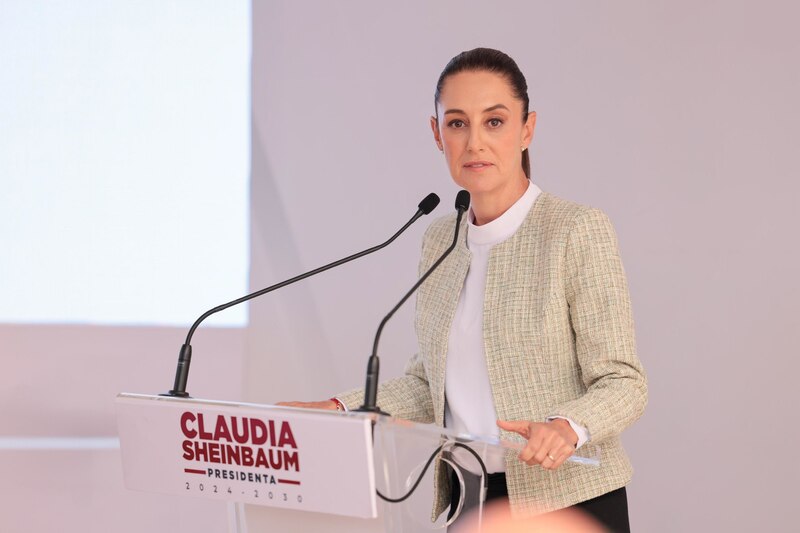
[506,224]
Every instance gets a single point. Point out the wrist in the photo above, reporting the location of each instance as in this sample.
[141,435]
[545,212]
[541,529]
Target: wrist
[338,405]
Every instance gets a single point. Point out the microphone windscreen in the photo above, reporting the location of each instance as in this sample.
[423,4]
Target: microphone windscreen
[462,200]
[429,203]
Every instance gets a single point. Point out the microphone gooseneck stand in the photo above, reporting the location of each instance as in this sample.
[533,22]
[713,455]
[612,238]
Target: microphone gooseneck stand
[427,205]
[373,365]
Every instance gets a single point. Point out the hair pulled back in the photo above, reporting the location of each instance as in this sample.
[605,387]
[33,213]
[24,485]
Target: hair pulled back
[490,60]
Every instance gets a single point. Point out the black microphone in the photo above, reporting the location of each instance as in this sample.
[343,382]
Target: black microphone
[373,365]
[427,205]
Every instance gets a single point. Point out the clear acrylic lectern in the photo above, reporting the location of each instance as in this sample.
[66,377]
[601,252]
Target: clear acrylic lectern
[284,468]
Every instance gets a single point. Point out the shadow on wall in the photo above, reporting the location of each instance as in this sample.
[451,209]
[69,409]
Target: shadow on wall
[279,365]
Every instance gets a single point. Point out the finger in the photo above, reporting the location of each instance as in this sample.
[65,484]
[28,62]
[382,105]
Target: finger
[535,450]
[543,456]
[527,454]
[549,461]
[521,427]
[538,451]
[554,446]
[559,455]
[308,405]
[549,442]
[297,404]
[554,460]
[566,453]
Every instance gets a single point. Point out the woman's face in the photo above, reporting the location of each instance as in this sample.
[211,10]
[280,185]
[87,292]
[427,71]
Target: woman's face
[480,128]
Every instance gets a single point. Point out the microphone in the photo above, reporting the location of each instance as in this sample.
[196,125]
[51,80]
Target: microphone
[373,365]
[427,205]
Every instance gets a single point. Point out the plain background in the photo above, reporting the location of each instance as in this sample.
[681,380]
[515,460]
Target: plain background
[676,118]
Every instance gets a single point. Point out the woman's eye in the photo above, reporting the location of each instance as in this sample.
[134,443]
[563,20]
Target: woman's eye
[495,122]
[457,123]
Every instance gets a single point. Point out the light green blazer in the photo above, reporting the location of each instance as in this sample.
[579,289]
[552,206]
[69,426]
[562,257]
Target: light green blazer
[559,340]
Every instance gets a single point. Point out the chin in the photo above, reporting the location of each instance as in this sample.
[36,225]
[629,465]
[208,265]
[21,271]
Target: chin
[477,185]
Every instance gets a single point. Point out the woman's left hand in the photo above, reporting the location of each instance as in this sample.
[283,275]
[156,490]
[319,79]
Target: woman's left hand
[549,443]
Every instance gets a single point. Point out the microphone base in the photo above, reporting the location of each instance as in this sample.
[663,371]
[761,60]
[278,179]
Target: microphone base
[374,410]
[176,394]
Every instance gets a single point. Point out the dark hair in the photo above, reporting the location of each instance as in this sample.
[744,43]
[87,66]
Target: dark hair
[489,60]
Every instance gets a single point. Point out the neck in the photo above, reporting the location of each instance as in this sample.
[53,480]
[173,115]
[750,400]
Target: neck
[491,205]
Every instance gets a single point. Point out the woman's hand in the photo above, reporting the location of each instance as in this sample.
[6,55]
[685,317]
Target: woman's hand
[330,405]
[549,443]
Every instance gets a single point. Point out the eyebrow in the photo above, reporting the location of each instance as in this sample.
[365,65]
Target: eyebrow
[487,110]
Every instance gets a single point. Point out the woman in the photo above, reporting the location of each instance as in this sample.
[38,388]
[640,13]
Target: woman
[526,327]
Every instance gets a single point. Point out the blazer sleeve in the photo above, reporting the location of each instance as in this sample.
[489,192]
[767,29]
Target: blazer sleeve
[600,313]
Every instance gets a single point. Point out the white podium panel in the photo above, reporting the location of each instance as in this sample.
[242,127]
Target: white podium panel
[264,455]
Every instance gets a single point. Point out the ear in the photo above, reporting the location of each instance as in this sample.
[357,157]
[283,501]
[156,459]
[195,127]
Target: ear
[527,129]
[437,137]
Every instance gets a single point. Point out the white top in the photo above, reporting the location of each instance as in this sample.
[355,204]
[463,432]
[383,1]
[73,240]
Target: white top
[469,404]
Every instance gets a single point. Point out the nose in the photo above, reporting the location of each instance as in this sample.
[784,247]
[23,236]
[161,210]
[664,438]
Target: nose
[475,142]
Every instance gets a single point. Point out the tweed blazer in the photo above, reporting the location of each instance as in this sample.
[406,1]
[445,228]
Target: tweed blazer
[559,341]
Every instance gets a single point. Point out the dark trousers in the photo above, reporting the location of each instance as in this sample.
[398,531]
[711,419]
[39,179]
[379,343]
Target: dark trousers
[610,509]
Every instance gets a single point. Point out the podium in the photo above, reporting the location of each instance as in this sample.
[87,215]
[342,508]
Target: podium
[310,470]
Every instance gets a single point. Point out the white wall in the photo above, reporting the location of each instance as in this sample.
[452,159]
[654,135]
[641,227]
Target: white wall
[676,118]
[58,386]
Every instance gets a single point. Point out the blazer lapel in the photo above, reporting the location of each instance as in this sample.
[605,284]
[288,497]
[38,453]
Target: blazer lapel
[442,292]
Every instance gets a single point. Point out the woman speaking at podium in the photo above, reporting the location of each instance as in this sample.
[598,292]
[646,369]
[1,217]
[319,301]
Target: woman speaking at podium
[527,326]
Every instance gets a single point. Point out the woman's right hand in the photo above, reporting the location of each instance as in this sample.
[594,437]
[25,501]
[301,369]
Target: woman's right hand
[330,405]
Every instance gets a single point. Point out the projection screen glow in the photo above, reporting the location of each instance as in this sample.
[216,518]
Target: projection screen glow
[124,161]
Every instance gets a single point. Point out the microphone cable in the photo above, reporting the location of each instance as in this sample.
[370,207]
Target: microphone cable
[428,464]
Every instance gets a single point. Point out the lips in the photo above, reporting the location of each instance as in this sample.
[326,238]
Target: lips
[477,165]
